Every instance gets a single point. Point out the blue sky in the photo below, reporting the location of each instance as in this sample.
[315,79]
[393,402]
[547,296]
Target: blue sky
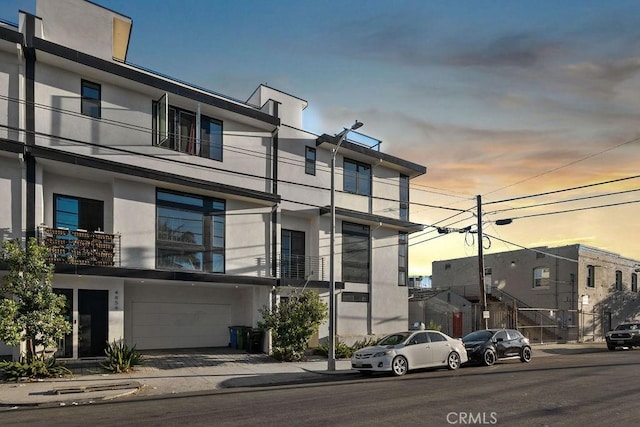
[497,98]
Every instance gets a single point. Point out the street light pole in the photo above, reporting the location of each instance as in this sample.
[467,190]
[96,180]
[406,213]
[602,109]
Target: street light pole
[331,356]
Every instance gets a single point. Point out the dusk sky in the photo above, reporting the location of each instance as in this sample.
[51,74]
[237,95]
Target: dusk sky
[501,99]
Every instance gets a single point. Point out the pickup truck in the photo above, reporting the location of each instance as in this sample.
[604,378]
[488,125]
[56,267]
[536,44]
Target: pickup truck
[624,335]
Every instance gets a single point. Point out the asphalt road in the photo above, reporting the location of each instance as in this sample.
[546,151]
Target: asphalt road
[595,389]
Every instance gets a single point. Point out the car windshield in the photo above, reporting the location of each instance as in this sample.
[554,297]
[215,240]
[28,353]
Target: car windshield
[627,326]
[394,339]
[478,336]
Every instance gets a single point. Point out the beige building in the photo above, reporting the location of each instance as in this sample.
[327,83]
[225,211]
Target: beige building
[566,293]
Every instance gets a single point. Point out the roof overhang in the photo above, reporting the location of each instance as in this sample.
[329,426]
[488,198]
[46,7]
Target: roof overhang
[371,219]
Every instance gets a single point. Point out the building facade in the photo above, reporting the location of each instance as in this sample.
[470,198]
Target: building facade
[172,212]
[566,293]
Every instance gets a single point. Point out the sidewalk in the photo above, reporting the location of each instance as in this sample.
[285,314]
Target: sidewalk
[198,370]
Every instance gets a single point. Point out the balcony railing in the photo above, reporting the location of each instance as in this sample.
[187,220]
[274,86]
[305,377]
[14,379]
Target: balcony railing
[296,267]
[80,246]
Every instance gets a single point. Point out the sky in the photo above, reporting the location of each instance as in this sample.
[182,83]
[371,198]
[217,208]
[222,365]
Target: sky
[532,105]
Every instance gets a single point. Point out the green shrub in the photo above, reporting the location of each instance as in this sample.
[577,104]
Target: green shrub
[434,326]
[38,368]
[344,351]
[120,357]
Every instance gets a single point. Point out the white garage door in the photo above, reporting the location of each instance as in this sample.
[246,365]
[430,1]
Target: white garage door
[180,325]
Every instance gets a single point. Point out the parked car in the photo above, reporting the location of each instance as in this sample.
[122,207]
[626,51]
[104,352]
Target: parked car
[624,335]
[489,345]
[402,351]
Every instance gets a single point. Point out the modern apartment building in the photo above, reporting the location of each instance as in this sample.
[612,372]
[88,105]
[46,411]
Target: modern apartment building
[173,212]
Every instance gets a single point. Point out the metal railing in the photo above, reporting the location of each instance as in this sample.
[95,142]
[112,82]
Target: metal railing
[298,267]
[80,246]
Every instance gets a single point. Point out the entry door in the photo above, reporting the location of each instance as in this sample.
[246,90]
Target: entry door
[293,254]
[92,322]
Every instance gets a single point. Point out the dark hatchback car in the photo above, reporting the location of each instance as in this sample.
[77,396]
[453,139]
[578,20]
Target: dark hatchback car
[624,335]
[489,345]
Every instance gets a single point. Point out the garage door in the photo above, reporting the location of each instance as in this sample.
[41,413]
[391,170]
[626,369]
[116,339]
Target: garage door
[180,325]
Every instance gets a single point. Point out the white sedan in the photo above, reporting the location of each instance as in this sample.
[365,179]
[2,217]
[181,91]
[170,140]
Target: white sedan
[402,351]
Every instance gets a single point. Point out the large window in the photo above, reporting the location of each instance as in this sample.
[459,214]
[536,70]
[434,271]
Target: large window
[91,96]
[403,262]
[310,161]
[177,129]
[78,213]
[293,254]
[355,252]
[618,280]
[634,282]
[404,197]
[190,232]
[357,177]
[540,277]
[591,276]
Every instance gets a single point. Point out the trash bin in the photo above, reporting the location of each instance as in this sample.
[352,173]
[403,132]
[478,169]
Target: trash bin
[233,336]
[255,338]
[238,337]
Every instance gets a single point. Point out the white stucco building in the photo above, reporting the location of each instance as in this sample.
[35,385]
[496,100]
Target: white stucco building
[174,212]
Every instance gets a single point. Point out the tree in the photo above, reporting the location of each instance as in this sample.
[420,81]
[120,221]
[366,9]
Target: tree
[30,311]
[293,323]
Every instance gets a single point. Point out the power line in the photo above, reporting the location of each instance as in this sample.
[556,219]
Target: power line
[575,210]
[563,201]
[567,164]
[564,190]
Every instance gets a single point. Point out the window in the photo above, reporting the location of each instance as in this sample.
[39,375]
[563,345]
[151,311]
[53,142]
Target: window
[78,213]
[357,177]
[404,197]
[190,232]
[91,95]
[618,280]
[355,252]
[540,277]
[293,254]
[419,338]
[177,129]
[355,297]
[310,161]
[436,337]
[501,336]
[634,282]
[591,276]
[403,263]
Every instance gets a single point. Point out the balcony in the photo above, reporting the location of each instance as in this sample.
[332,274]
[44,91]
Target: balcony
[80,246]
[296,268]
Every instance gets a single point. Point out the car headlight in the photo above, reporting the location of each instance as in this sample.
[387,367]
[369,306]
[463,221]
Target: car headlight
[382,353]
[475,348]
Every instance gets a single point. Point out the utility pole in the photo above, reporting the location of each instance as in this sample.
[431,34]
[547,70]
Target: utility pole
[482,297]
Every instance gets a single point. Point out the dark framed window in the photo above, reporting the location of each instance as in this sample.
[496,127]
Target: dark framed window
[634,282]
[356,177]
[310,161]
[356,252]
[403,259]
[541,276]
[355,297]
[618,280]
[591,276]
[176,129]
[91,99]
[190,232]
[78,213]
[293,254]
[404,197]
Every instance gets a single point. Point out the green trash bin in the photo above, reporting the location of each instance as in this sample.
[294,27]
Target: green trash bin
[241,337]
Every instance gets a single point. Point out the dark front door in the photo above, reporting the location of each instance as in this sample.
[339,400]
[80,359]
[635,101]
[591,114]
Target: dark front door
[93,322]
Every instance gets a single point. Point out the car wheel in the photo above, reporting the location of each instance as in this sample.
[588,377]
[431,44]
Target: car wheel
[611,347]
[525,357]
[489,357]
[399,366]
[453,361]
